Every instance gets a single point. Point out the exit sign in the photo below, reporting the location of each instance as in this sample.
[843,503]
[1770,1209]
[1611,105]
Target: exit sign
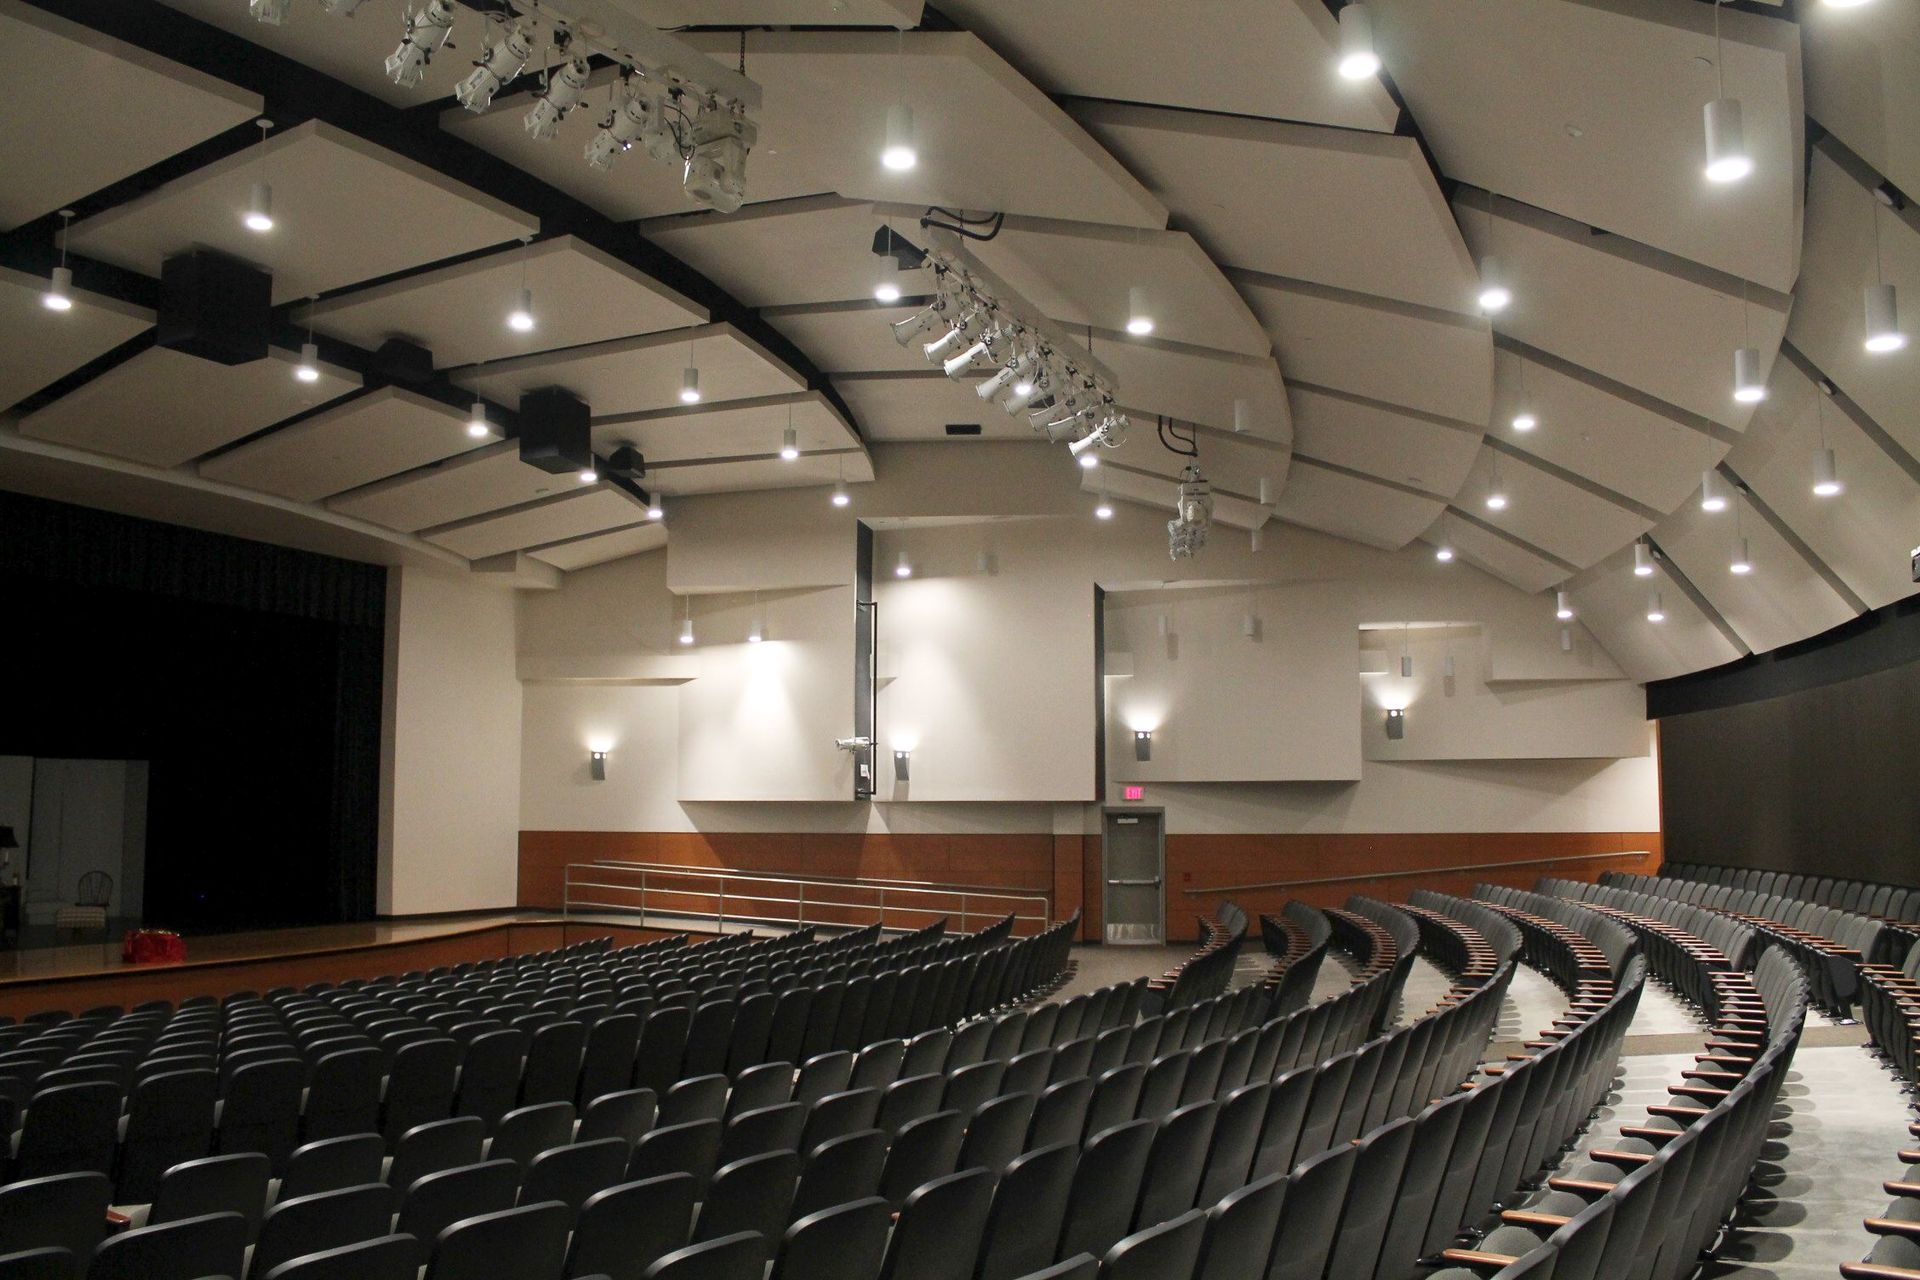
[1133,793]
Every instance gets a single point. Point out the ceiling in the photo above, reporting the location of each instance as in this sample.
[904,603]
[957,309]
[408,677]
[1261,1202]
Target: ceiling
[1309,248]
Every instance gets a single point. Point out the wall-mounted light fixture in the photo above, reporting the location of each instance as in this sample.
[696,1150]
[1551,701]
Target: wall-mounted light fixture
[901,761]
[598,762]
[1143,744]
[1396,723]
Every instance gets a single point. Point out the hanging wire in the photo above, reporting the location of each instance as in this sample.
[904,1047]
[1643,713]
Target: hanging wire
[1719,63]
[1172,439]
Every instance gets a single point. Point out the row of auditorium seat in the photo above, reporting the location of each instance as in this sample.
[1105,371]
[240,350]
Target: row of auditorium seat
[1206,972]
[1890,1008]
[1296,940]
[1863,897]
[1829,943]
[1895,1254]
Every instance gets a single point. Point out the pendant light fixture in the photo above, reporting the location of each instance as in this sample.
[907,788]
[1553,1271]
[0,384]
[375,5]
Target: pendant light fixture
[1494,294]
[904,567]
[1727,157]
[1443,549]
[1496,496]
[756,632]
[59,294]
[686,621]
[840,496]
[520,319]
[1562,606]
[308,370]
[690,379]
[656,507]
[886,285]
[1656,612]
[1749,387]
[789,441]
[899,152]
[1103,509]
[1713,491]
[1741,563]
[589,475]
[1524,418]
[259,215]
[1357,57]
[1883,313]
[477,425]
[1642,560]
[1139,318]
[1406,651]
[1826,472]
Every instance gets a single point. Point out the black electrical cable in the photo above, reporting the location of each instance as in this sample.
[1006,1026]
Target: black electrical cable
[1170,438]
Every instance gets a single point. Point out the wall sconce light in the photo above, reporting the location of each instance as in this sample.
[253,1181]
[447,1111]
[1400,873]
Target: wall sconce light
[1143,744]
[599,765]
[900,765]
[1396,724]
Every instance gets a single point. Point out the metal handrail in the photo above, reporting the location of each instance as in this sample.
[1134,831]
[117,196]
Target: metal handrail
[725,876]
[1417,871]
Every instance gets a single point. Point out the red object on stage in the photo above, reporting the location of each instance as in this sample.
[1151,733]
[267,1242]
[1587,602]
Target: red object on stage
[153,946]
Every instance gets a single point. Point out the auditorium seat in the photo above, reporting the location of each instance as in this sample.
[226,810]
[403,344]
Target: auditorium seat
[437,1201]
[186,1249]
[938,1233]
[739,1257]
[527,1243]
[1169,1249]
[845,1242]
[234,1184]
[1028,1212]
[64,1210]
[622,1231]
[569,1175]
[37,1264]
[315,1223]
[754,1194]
[333,1163]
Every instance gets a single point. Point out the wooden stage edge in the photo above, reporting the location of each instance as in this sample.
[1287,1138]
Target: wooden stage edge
[78,978]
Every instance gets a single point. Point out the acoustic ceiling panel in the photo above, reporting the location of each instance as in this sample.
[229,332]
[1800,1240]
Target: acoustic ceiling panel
[381,433]
[344,211]
[1417,450]
[921,405]
[463,486]
[85,111]
[809,249]
[741,429]
[633,375]
[1548,512]
[1349,507]
[1486,549]
[39,347]
[165,408]
[1781,601]
[593,509]
[1612,604]
[598,548]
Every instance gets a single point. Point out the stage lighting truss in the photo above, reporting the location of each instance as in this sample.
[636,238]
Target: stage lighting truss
[973,325]
[677,104]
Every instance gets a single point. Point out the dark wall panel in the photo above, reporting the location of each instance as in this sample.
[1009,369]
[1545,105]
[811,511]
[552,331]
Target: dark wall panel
[1824,780]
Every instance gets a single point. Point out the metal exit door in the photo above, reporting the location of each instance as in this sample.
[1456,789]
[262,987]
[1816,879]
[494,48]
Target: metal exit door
[1134,856]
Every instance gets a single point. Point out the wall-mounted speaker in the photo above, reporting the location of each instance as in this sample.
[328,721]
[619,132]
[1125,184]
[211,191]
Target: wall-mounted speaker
[215,307]
[555,433]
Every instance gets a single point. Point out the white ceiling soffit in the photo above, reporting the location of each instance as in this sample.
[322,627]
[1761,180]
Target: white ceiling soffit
[459,488]
[1361,510]
[165,408]
[1631,444]
[1079,275]
[1829,309]
[598,548]
[737,429]
[382,433]
[353,50]
[812,471]
[134,110]
[1545,511]
[921,404]
[1275,60]
[632,375]
[1194,384]
[1863,82]
[1158,493]
[1612,604]
[809,249]
[38,347]
[1663,325]
[580,295]
[1486,550]
[1863,533]
[1781,601]
[1593,108]
[823,123]
[1357,211]
[1435,361]
[852,337]
[1401,445]
[344,209]
[592,508]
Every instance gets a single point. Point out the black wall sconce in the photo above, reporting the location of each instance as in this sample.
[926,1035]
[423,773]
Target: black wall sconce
[1143,744]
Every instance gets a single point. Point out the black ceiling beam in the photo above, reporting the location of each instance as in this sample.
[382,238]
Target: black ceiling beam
[293,92]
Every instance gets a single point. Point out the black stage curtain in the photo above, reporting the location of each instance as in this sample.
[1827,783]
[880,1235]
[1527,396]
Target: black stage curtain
[1801,760]
[248,675]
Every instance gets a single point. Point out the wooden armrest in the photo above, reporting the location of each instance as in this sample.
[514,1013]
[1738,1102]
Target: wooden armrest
[1492,1261]
[1876,1271]
[1650,1133]
[1743,1059]
[1697,1091]
[1901,1188]
[1606,1155]
[1580,1186]
[1893,1227]
[1528,1218]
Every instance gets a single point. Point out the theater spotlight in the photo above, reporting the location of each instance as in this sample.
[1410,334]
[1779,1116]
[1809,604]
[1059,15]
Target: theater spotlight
[905,331]
[639,118]
[564,88]
[427,29]
[271,12]
[496,66]
[716,173]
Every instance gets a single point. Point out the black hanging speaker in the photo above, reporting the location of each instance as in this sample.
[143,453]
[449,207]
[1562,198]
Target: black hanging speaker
[215,307]
[555,431]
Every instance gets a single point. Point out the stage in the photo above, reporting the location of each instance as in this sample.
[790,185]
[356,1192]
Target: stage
[80,977]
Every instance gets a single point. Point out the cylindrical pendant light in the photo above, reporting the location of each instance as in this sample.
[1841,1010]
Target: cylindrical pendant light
[1883,319]
[1562,606]
[1357,57]
[520,319]
[900,154]
[1242,415]
[1642,560]
[1742,562]
[308,370]
[789,445]
[1443,553]
[1727,157]
[1826,474]
[840,497]
[686,629]
[59,294]
[1494,294]
[690,385]
[477,425]
[1748,386]
[259,215]
[1655,611]
[903,568]
[1713,491]
[1139,317]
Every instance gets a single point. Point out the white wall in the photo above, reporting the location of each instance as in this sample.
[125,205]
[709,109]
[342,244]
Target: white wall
[450,788]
